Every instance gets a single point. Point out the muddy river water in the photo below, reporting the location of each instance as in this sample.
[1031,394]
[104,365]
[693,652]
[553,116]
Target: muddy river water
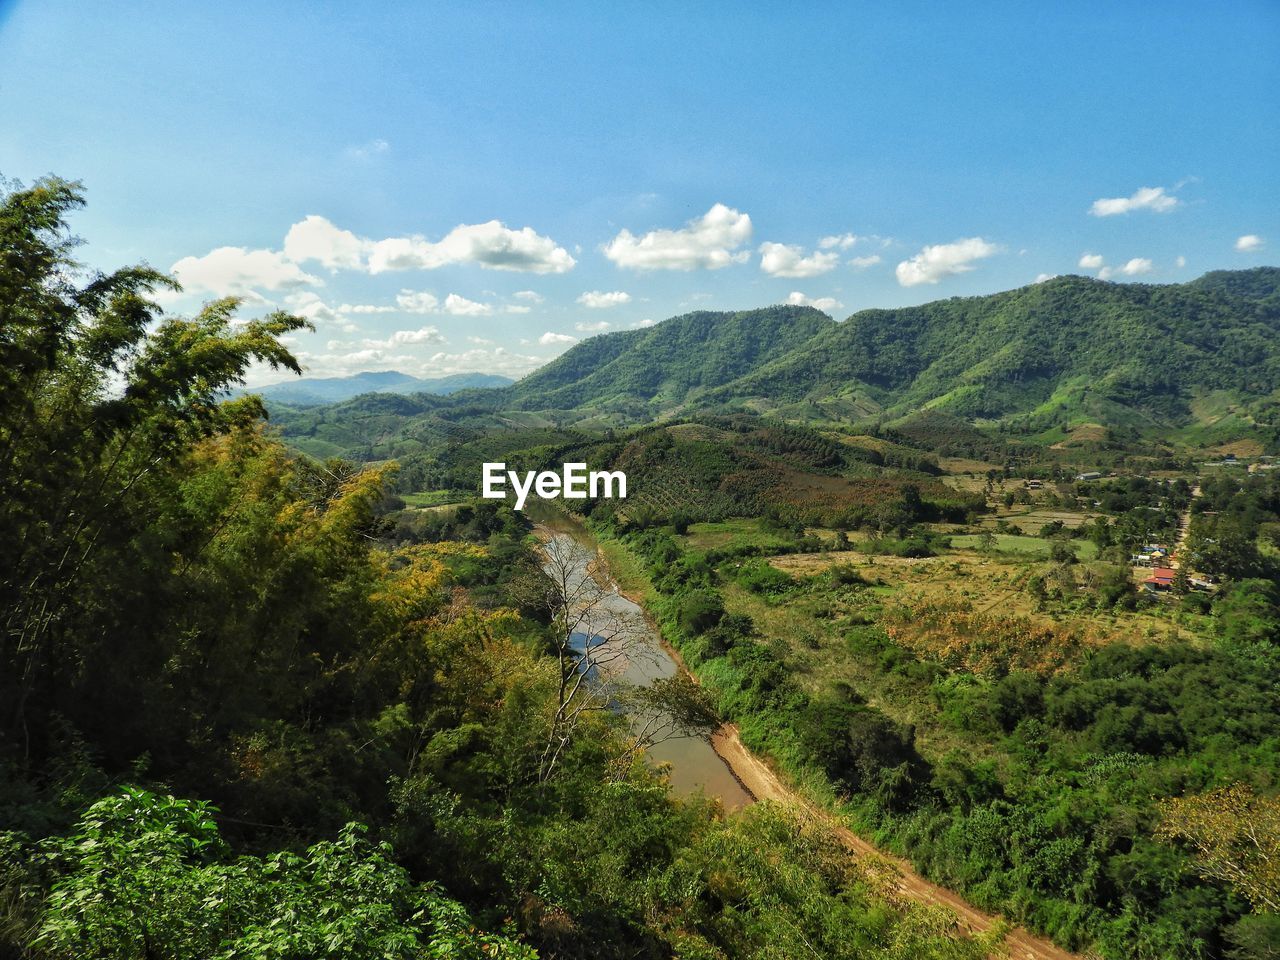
[692,765]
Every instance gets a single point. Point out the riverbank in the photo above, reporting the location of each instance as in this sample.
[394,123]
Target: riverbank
[764,783]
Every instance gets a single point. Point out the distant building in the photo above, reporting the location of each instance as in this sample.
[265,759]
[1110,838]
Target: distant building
[1091,475]
[1161,579]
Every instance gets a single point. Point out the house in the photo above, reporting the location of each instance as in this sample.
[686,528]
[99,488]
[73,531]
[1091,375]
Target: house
[1161,579]
[1034,484]
[1091,475]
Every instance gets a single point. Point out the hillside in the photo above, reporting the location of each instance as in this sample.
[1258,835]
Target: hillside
[1050,356]
[668,365]
[317,391]
[1062,350]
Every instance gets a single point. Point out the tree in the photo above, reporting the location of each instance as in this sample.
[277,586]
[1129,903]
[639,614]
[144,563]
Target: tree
[1235,837]
[101,399]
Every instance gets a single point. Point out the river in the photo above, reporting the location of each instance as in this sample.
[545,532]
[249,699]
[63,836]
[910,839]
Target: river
[691,763]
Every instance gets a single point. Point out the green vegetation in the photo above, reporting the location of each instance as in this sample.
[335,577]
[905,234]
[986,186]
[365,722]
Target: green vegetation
[249,708]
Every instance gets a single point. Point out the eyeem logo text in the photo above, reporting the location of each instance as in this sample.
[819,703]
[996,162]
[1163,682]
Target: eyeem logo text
[572,483]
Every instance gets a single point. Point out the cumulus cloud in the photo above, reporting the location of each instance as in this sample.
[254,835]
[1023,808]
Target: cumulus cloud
[1042,277]
[646,322]
[516,308]
[596,327]
[365,308]
[825,304]
[550,339]
[315,238]
[530,296]
[462,307]
[861,263]
[493,245]
[1154,199]
[599,300]
[783,260]
[498,360]
[405,337]
[1090,261]
[842,241]
[940,260]
[417,301]
[1249,242]
[238,271]
[1134,268]
[707,242]
[1181,262]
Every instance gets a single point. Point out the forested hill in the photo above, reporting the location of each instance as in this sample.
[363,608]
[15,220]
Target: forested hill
[1067,346]
[318,391]
[669,364]
[1067,349]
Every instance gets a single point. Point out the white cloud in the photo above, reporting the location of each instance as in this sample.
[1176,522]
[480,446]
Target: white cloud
[306,303]
[367,151]
[1090,261]
[530,295]
[781,260]
[861,263]
[421,335]
[1134,268]
[1042,277]
[592,327]
[825,304]
[842,241]
[417,301]
[706,242]
[1249,242]
[462,307]
[480,341]
[516,308]
[404,338]
[549,339]
[598,300]
[365,308]
[237,270]
[315,238]
[498,360]
[492,245]
[1181,262]
[1144,198]
[943,260]
[646,322]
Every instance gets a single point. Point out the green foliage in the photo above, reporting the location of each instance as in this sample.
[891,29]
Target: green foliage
[146,875]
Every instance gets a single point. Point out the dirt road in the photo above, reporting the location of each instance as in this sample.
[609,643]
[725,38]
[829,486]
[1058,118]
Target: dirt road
[763,784]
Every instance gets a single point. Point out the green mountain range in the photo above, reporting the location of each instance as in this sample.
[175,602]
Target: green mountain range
[1054,362]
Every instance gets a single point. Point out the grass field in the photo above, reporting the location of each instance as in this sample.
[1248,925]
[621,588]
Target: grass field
[1023,546]
[733,533]
[434,498]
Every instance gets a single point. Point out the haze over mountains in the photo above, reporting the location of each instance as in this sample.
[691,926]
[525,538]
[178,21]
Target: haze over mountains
[316,391]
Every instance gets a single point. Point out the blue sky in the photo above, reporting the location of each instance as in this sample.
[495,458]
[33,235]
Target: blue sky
[475,187]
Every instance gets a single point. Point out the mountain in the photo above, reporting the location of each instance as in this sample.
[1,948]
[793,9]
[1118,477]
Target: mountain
[669,365]
[313,392]
[1050,355]
[1071,361]
[1061,351]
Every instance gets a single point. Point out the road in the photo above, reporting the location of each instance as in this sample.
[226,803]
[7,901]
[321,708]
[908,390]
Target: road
[763,783]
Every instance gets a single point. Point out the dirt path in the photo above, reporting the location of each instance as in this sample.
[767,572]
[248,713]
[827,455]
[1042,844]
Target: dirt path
[1184,531]
[763,783]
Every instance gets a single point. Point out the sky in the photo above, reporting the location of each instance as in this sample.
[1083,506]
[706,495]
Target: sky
[477,187]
